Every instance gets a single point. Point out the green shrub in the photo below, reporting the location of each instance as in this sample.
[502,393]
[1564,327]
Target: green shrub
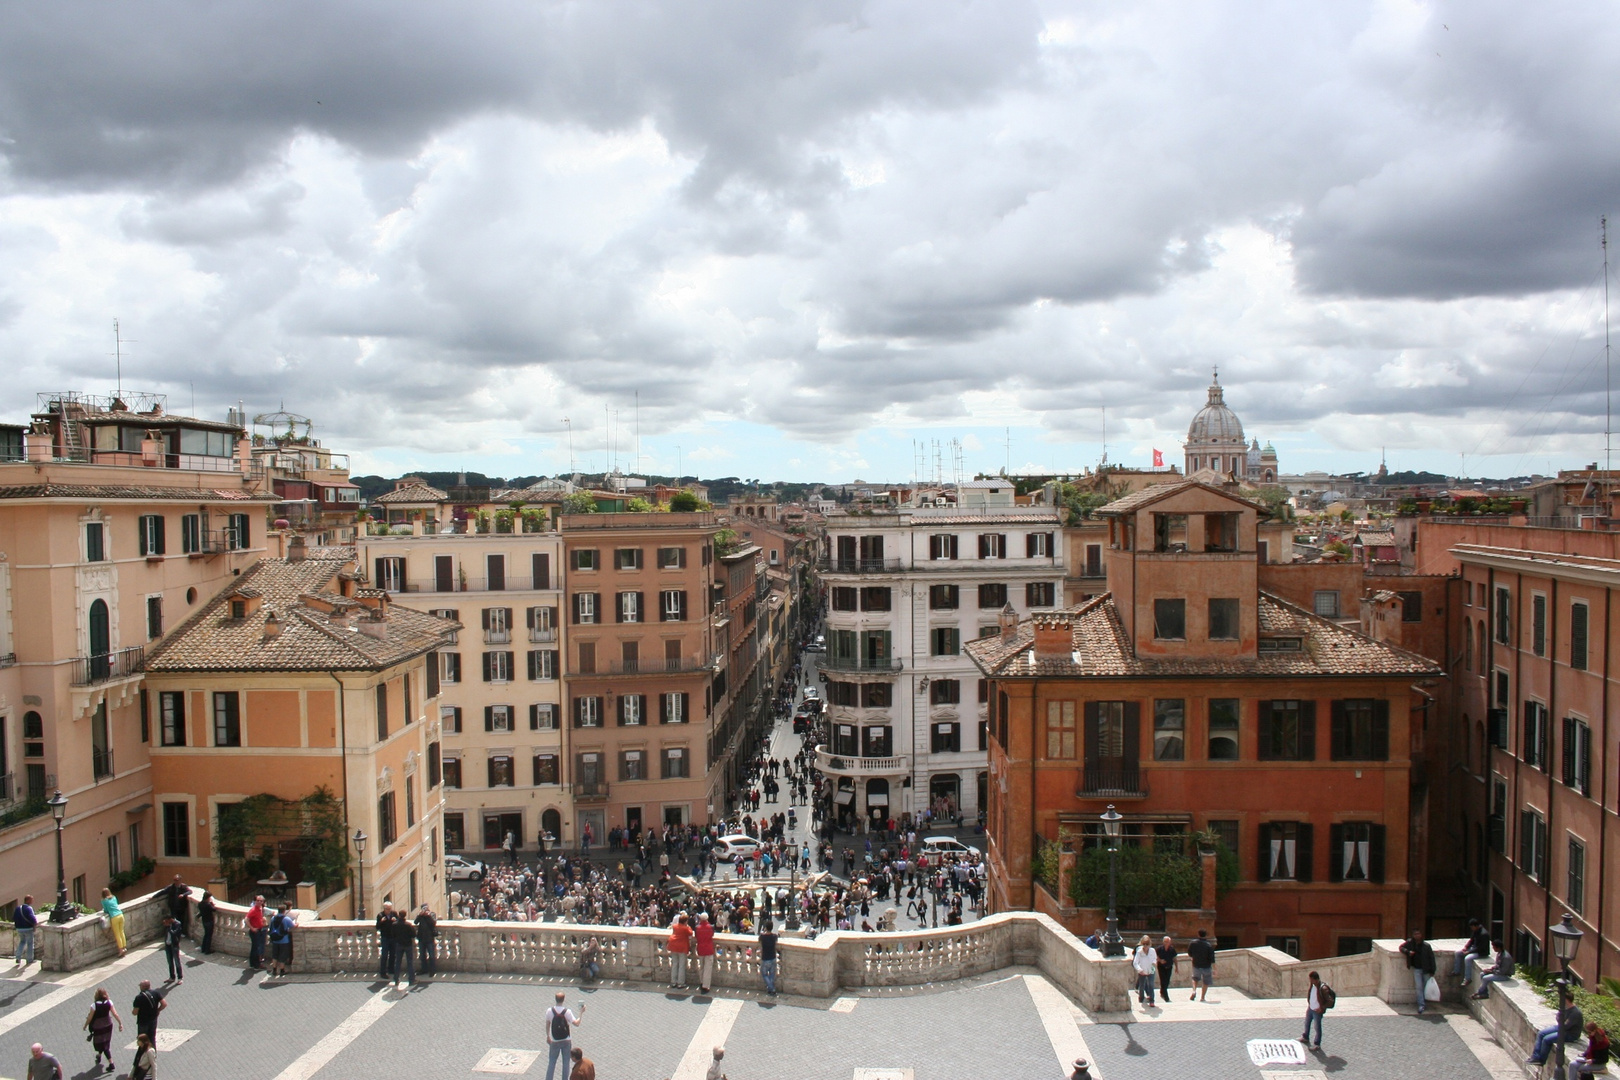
[683,502]
[1598,1007]
[1146,878]
[1043,864]
[125,878]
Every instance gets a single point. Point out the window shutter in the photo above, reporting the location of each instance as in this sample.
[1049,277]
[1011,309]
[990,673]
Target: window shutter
[554,619]
[1381,729]
[488,674]
[984,546]
[1527,841]
[683,605]
[1340,747]
[663,708]
[1585,774]
[510,665]
[1263,709]
[1307,731]
[534,662]
[489,718]
[157,534]
[686,702]
[542,571]
[1304,853]
[1264,868]
[1335,849]
[528,618]
[486,618]
[618,607]
[490,765]
[1375,855]
[641,607]
[1133,731]
[377,568]
[1093,733]
[507,618]
[574,616]
[534,718]
[432,674]
[1527,737]
[1029,545]
[1569,751]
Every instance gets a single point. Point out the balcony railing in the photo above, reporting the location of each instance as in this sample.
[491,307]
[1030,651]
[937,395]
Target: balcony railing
[845,765]
[658,666]
[89,670]
[861,663]
[8,787]
[858,566]
[1112,778]
[541,637]
[101,762]
[591,790]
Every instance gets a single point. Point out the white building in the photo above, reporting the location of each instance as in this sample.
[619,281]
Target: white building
[904,590]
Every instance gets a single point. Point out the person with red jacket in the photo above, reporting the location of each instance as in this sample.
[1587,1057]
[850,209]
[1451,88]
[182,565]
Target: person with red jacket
[256,923]
[679,945]
[705,950]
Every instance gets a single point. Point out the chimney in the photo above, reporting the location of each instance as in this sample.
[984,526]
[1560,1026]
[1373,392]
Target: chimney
[1054,636]
[272,624]
[1009,624]
[374,625]
[296,551]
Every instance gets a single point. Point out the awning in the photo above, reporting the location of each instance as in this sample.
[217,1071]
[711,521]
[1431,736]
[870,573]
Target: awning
[879,798]
[844,797]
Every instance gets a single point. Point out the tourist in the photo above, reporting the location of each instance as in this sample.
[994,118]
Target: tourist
[205,914]
[715,1072]
[145,1067]
[1596,1058]
[1570,1022]
[255,922]
[1142,962]
[679,944]
[171,949]
[385,940]
[703,940]
[1095,940]
[1202,956]
[404,934]
[115,918]
[178,895]
[281,928]
[99,1023]
[25,922]
[1315,1006]
[148,1003]
[42,1066]
[590,959]
[584,1067]
[560,1024]
[1503,968]
[1479,944]
[767,955]
[1420,960]
[427,940]
[1165,957]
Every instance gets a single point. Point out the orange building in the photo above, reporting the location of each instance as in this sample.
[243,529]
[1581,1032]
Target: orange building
[1191,700]
[292,680]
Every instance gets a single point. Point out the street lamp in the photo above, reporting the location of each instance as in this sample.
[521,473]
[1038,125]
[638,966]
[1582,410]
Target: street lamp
[63,911]
[1566,941]
[1111,943]
[359,839]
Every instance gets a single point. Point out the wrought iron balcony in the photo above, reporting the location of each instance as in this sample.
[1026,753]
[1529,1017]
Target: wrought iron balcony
[591,791]
[886,664]
[101,667]
[836,565]
[1114,779]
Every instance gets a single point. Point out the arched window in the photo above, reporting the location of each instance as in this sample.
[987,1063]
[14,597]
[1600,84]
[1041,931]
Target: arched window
[1479,628]
[1484,748]
[1468,650]
[550,825]
[100,640]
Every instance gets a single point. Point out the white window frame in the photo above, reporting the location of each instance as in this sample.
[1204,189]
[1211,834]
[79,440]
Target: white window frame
[629,607]
[585,604]
[500,718]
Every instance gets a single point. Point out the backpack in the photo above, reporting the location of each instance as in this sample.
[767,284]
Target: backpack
[559,1024]
[1326,997]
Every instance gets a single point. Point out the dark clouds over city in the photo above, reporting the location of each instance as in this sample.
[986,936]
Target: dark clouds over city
[783,226]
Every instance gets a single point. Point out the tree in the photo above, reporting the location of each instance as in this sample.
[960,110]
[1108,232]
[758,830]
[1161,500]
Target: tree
[580,502]
[683,502]
[725,542]
[638,505]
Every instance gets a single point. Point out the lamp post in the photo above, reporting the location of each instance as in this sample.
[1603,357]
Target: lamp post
[1112,945]
[359,839]
[1566,941]
[63,911]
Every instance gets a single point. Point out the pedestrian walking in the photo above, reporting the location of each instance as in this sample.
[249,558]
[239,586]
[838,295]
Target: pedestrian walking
[145,1067]
[171,949]
[115,918]
[679,945]
[1420,961]
[1317,1001]
[42,1066]
[584,1067]
[560,1025]
[427,940]
[99,1023]
[281,928]
[25,922]
[1165,955]
[703,940]
[767,955]
[715,1072]
[255,922]
[1143,960]
[205,915]
[1202,954]
[148,1003]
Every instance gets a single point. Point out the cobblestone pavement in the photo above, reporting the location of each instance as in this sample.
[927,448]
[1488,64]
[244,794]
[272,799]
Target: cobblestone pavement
[1011,1024]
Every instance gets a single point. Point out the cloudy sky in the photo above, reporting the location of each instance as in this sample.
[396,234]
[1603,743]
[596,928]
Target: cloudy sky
[807,237]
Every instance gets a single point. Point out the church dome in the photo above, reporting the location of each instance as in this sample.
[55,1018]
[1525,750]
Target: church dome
[1215,424]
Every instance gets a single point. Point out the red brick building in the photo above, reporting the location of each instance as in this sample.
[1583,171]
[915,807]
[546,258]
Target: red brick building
[1189,699]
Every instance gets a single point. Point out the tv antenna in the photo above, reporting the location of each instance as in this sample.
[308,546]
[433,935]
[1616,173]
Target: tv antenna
[1608,406]
[118,359]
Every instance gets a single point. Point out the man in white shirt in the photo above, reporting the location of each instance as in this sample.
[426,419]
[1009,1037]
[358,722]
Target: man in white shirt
[560,1024]
[1314,1008]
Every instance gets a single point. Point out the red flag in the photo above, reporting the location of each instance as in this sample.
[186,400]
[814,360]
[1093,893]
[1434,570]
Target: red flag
[1158,459]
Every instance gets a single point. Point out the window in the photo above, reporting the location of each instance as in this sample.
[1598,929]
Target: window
[1577,636]
[95,542]
[239,535]
[1038,545]
[942,691]
[410,801]
[674,708]
[1227,830]
[1325,602]
[151,534]
[1169,729]
[1223,620]
[1169,532]
[1577,756]
[672,604]
[1060,730]
[135,843]
[1504,621]
[449,667]
[390,574]
[942,546]
[1533,747]
[409,710]
[945,641]
[1285,851]
[1533,845]
[542,664]
[632,765]
[448,613]
[992,546]
[1538,625]
[435,766]
[1040,594]
[676,763]
[875,598]
[845,598]
[1497,823]
[585,559]
[452,773]
[540,570]
[171,718]
[498,667]
[1575,887]
[877,740]
[1220,532]
[627,558]
[546,770]
[628,607]
[587,712]
[1288,730]
[844,740]
[1223,729]
[497,718]
[1411,606]
[190,534]
[495,572]
[1501,688]
[992,596]
[1356,852]
[386,823]
[947,738]
[542,623]
[1361,730]
[671,558]
[1170,620]
[497,625]
[227,719]
[843,693]
[1527,947]
[632,710]
[101,758]
[587,607]
[177,830]
[450,719]
[943,597]
[500,771]
[542,717]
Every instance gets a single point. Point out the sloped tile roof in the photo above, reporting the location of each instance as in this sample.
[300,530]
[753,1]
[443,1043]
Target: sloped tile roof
[1154,492]
[413,493]
[1103,649]
[119,491]
[311,639]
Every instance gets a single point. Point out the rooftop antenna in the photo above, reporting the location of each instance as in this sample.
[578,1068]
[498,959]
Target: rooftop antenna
[1009,452]
[118,358]
[677,466]
[1608,403]
[1104,409]
[570,426]
[637,467]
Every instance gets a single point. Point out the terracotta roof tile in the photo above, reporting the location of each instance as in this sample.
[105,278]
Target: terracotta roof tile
[1154,492]
[120,491]
[413,493]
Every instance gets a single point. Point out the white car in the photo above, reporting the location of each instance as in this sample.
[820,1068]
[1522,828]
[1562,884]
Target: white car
[458,869]
[729,847]
[947,845]
[811,694]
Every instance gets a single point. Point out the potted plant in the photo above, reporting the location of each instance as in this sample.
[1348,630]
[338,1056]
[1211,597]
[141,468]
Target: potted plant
[1207,840]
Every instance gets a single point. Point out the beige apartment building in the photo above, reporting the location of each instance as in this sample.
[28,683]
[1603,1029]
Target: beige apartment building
[500,677]
[117,522]
[643,668]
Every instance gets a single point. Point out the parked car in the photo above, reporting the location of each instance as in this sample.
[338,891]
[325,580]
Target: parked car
[457,868]
[947,845]
[817,644]
[729,847]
